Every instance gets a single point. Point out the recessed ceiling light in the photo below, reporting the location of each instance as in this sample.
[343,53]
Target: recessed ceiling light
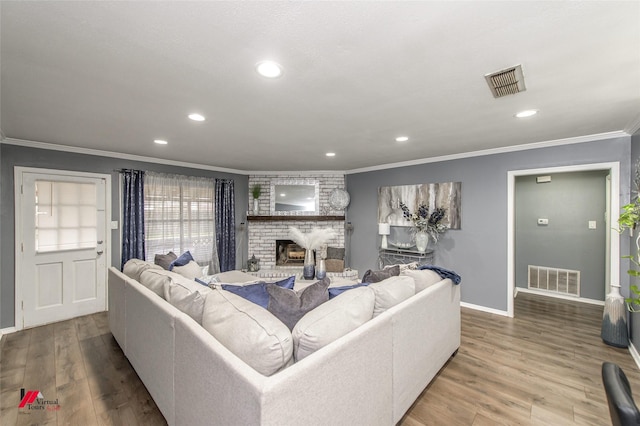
[330,154]
[269,69]
[196,117]
[527,113]
[402,138]
[161,142]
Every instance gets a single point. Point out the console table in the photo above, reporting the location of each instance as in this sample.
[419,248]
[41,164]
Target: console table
[393,256]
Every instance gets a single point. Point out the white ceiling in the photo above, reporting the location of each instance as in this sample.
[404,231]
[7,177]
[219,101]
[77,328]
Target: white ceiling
[115,76]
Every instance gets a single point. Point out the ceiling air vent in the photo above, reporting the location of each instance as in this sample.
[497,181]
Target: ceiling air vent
[506,82]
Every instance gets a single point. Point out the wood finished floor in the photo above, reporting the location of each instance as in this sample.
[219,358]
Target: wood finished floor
[541,368]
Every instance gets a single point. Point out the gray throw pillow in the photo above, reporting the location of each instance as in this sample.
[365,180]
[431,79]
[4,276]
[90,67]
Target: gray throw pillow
[165,260]
[377,276]
[289,306]
[335,253]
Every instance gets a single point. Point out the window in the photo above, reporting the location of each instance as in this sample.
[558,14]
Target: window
[65,216]
[179,216]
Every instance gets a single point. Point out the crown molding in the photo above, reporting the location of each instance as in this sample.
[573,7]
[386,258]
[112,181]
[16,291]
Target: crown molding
[296,173]
[111,154]
[634,125]
[492,151]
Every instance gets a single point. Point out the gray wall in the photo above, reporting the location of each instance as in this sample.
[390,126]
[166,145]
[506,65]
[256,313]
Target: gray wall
[14,155]
[478,251]
[569,201]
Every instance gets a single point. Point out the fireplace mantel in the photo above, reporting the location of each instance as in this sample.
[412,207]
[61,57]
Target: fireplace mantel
[297,218]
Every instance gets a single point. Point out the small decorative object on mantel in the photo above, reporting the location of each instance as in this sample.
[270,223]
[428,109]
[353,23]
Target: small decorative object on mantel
[256,190]
[310,241]
[253,264]
[425,225]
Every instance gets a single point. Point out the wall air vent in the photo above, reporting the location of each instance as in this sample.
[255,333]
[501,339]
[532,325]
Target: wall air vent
[506,82]
[564,281]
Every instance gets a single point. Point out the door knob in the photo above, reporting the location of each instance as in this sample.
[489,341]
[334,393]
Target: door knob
[100,252]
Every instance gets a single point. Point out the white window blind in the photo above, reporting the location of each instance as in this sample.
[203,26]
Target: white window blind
[179,216]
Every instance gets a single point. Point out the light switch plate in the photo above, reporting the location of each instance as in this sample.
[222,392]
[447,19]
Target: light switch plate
[592,224]
[114,224]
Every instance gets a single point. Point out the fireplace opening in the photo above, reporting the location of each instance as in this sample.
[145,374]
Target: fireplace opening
[289,253]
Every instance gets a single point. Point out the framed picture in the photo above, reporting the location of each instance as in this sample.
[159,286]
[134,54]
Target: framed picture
[433,195]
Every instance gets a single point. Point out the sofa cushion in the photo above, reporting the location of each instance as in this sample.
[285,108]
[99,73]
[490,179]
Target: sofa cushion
[377,276]
[422,278]
[156,280]
[257,293]
[289,306]
[332,320]
[392,291]
[186,295]
[164,260]
[134,267]
[252,333]
[191,303]
[234,277]
[182,260]
[191,270]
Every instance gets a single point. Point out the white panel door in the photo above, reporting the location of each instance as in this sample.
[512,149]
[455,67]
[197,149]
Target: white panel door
[62,265]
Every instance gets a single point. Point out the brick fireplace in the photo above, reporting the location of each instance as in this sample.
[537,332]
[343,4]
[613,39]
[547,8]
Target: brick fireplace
[263,235]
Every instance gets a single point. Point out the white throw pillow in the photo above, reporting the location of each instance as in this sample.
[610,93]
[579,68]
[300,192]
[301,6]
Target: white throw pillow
[423,278]
[157,280]
[251,332]
[332,320]
[188,297]
[134,267]
[235,277]
[191,270]
[392,291]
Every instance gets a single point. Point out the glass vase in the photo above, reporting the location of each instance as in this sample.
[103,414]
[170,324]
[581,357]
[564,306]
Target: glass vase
[309,269]
[422,241]
[256,206]
[321,269]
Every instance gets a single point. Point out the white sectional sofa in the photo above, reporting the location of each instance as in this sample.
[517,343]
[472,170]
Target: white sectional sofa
[369,376]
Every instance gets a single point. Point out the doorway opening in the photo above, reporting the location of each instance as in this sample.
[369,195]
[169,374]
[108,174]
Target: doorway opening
[612,249]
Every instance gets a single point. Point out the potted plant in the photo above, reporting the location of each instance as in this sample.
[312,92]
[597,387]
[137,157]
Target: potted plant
[614,320]
[425,225]
[256,190]
[629,219]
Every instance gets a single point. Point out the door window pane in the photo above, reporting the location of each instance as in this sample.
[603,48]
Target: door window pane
[66,215]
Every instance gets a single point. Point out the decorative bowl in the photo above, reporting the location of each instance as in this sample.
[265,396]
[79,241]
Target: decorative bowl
[401,245]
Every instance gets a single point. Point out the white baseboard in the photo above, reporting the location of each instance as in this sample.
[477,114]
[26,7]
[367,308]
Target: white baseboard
[7,330]
[559,296]
[484,309]
[634,353]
